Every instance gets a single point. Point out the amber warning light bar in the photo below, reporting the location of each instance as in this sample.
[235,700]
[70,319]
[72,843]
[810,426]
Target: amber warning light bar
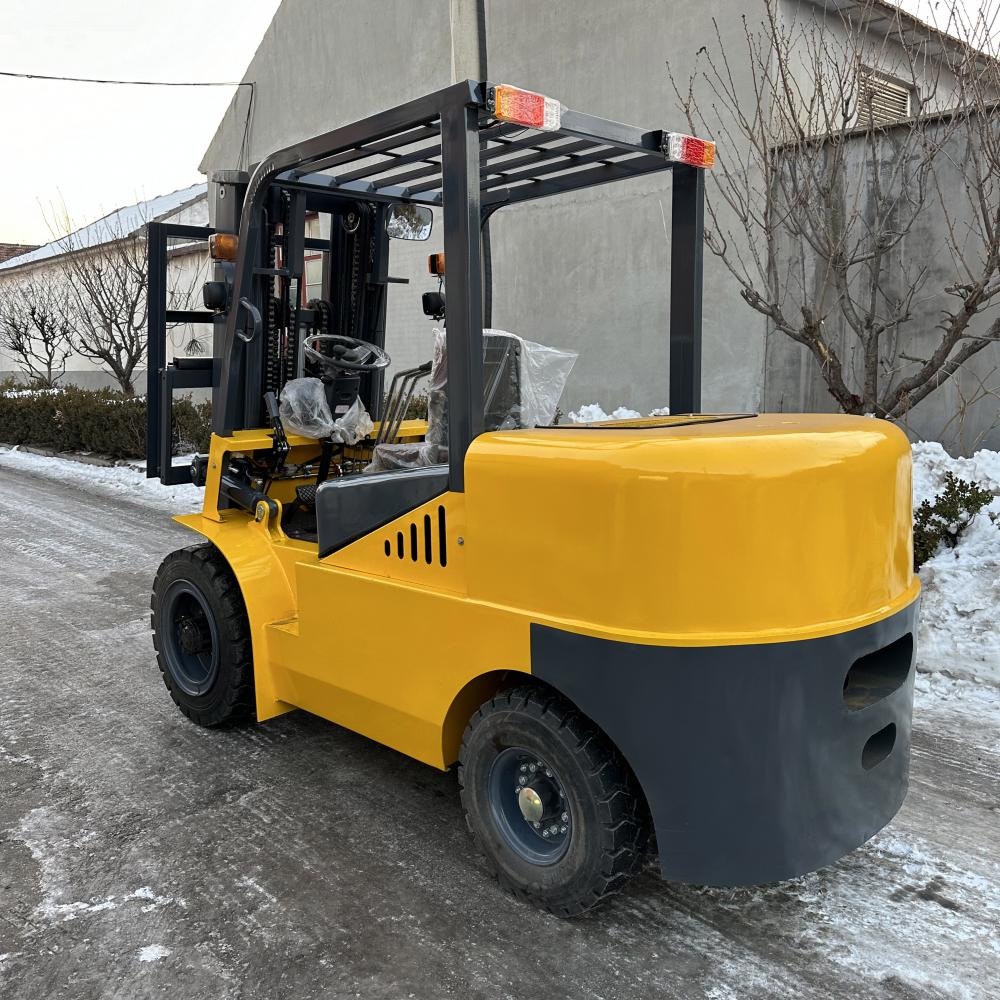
[689,149]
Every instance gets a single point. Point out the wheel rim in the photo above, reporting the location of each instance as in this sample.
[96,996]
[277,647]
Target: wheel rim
[191,638]
[529,806]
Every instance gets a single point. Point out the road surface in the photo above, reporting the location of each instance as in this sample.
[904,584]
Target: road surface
[141,856]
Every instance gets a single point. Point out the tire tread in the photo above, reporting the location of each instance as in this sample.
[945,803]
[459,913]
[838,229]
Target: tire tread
[625,827]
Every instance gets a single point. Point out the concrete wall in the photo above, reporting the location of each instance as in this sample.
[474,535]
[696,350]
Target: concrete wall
[550,284]
[324,63]
[959,413]
[588,271]
[591,270]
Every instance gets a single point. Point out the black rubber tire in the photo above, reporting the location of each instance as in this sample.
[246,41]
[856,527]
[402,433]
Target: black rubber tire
[230,699]
[610,828]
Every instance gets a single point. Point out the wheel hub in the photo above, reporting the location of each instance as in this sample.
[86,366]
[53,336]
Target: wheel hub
[193,636]
[191,648]
[532,806]
[535,821]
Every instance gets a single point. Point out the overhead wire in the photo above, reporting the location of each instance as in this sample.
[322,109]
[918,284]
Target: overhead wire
[244,154]
[128,83]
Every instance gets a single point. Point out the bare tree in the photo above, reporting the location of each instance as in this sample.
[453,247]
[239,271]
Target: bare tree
[108,285]
[34,328]
[818,200]
[108,279]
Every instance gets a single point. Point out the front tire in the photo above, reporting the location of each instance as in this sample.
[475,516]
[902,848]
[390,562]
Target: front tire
[201,634]
[550,802]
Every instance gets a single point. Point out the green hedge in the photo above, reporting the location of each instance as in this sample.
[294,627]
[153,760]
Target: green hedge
[88,420]
[945,518]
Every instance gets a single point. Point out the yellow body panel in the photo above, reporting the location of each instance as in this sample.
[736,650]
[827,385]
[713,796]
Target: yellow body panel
[712,533]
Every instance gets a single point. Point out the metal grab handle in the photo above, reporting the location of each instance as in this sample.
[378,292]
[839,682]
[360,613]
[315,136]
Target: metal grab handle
[258,323]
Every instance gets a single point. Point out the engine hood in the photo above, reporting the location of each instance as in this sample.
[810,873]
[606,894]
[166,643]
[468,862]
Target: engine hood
[694,531]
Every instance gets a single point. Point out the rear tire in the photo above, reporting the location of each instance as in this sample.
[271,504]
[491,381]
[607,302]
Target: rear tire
[201,634]
[575,828]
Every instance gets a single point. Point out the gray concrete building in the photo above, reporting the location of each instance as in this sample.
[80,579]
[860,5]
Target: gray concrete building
[588,271]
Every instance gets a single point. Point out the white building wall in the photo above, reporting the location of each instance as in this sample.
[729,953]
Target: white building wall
[187,270]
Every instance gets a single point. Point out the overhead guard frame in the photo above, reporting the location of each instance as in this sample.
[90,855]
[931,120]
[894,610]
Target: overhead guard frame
[445,150]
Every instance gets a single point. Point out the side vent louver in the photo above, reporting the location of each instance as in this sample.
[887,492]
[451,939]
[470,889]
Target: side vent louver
[429,540]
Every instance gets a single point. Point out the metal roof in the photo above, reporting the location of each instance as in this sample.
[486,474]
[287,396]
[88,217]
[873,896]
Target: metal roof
[516,163]
[114,225]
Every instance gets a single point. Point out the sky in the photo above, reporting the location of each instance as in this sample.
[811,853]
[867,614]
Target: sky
[95,147]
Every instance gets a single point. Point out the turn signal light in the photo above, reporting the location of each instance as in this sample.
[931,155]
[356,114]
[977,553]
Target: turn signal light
[223,246]
[689,149]
[510,104]
[435,263]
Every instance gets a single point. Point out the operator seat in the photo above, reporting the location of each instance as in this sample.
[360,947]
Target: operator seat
[501,403]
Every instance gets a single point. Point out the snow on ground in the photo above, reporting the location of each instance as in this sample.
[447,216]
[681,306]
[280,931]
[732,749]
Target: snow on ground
[118,481]
[153,953]
[960,615]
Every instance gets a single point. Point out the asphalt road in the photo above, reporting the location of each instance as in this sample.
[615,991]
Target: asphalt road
[141,856]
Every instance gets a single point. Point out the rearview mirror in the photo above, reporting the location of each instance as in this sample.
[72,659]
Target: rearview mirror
[409,222]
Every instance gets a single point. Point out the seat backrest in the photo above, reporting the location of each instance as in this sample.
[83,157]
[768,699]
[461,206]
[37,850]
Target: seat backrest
[501,385]
[501,380]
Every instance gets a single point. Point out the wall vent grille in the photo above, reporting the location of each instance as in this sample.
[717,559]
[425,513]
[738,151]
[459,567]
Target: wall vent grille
[881,101]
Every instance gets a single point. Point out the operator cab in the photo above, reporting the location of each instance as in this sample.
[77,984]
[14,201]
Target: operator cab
[314,426]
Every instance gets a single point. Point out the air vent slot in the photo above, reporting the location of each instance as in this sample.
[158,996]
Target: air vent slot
[878,747]
[877,675]
[442,535]
[429,540]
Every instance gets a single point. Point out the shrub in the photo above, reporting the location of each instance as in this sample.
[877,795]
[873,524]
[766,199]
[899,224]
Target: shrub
[945,518]
[94,420]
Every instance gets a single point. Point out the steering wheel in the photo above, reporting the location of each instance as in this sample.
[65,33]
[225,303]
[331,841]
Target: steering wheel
[346,353]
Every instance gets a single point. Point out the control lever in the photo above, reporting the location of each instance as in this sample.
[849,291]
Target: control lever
[279,450]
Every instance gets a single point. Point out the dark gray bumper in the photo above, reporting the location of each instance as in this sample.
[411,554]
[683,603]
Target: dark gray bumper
[756,763]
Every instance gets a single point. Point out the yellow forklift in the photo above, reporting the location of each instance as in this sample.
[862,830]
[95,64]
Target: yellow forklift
[740,696]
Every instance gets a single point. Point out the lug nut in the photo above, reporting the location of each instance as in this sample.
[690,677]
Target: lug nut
[565,817]
[532,768]
[545,833]
[522,780]
[536,825]
[524,767]
[563,829]
[548,773]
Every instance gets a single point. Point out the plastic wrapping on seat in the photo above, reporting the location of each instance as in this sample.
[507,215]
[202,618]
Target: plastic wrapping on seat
[354,425]
[417,455]
[541,378]
[523,384]
[304,410]
[544,373]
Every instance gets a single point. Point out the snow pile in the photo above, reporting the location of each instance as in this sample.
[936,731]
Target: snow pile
[591,413]
[27,393]
[153,953]
[122,482]
[959,633]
